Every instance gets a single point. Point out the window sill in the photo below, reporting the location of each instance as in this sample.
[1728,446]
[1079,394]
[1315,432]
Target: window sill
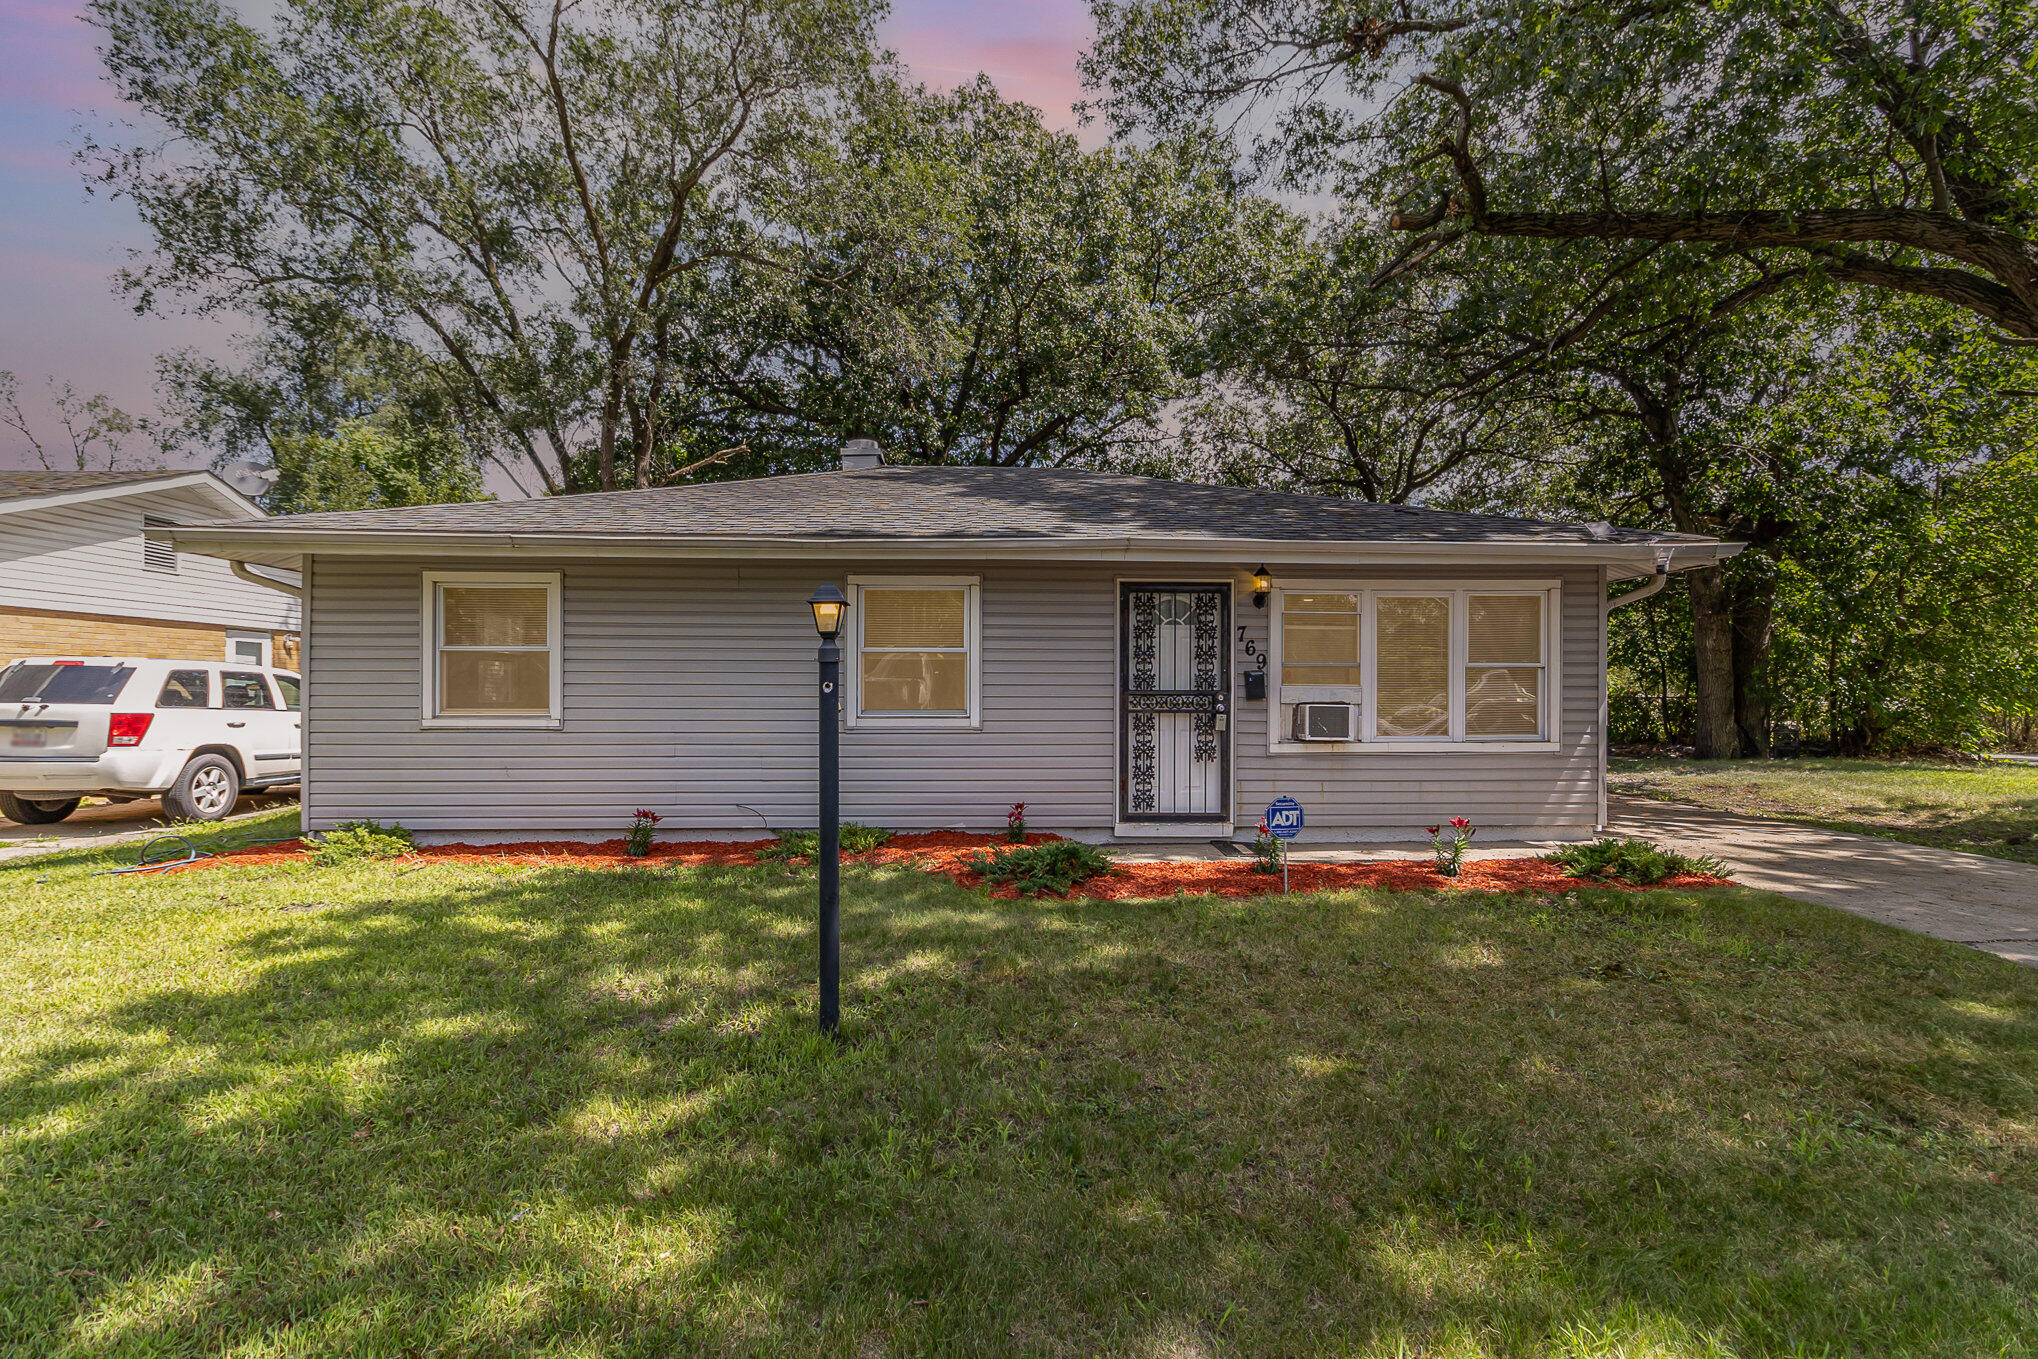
[890,723]
[1486,747]
[491,724]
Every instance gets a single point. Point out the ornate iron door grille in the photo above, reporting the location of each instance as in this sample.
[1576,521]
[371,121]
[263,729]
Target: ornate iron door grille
[1147,613]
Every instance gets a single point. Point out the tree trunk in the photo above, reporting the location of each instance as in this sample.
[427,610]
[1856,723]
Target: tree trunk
[1754,618]
[1712,653]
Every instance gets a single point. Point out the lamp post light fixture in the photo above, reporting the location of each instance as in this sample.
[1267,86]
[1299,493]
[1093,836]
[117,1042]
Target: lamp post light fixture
[829,606]
[1263,585]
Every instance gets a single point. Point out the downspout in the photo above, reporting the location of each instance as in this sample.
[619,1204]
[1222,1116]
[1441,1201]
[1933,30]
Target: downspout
[1606,608]
[241,571]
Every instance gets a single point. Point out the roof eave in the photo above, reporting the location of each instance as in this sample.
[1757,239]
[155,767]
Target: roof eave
[226,497]
[286,547]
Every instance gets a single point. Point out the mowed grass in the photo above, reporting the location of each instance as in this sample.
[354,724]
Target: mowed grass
[1984,809]
[394,1109]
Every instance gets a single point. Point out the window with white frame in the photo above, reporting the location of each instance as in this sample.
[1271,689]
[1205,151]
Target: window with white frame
[916,653]
[1426,665]
[492,653]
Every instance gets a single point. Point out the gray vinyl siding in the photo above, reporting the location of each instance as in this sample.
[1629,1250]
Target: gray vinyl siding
[86,557]
[689,688]
[1543,790]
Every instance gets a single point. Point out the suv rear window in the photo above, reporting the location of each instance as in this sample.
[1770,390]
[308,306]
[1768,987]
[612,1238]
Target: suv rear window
[26,683]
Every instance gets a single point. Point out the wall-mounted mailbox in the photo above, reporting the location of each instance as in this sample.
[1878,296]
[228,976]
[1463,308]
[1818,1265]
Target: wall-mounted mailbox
[1256,686]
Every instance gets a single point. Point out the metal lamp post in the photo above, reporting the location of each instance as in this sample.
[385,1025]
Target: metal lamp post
[829,606]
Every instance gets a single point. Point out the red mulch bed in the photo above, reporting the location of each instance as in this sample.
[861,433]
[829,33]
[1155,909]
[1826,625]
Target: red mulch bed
[946,853]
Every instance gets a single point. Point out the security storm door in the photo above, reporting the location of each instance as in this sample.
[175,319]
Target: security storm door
[1174,683]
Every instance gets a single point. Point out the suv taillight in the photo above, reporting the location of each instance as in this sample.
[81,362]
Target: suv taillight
[127,729]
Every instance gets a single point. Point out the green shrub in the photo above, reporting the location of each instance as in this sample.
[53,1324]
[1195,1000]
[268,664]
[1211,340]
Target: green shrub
[1637,862]
[353,840]
[805,844]
[1055,866]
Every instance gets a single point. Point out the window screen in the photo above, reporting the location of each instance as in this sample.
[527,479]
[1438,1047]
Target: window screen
[1504,665]
[915,655]
[1413,659]
[1320,639]
[186,689]
[495,650]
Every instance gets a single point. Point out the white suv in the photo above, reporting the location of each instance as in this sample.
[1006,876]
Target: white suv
[198,733]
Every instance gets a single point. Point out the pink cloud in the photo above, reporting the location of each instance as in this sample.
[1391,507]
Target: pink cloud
[65,68]
[1029,50]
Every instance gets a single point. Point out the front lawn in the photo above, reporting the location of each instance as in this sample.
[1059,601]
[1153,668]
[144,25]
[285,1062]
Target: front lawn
[397,1109]
[1983,809]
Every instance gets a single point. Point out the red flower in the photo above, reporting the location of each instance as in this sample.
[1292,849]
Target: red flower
[1434,829]
[650,816]
[1460,822]
[1263,828]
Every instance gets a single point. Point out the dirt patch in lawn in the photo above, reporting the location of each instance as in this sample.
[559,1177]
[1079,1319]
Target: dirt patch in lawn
[949,853]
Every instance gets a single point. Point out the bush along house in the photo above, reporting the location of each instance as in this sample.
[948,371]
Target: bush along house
[1128,657]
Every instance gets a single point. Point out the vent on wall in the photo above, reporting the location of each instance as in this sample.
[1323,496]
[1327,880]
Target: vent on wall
[158,556]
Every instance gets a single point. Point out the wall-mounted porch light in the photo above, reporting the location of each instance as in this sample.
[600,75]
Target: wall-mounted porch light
[1263,585]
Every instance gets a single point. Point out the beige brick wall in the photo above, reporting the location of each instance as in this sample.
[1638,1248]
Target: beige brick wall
[37,632]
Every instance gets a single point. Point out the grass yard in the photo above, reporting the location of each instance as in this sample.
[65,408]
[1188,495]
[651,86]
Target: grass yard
[1984,809]
[391,1109]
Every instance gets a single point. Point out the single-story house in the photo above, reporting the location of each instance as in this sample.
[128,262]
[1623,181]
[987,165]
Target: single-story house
[78,577]
[1129,657]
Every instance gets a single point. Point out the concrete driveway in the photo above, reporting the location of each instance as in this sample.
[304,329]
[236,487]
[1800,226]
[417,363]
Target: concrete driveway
[1991,904]
[108,824]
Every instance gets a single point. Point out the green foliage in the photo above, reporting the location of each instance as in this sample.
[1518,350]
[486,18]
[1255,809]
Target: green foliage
[1054,866]
[1631,861]
[368,464]
[1741,141]
[353,841]
[1883,482]
[976,287]
[799,845]
[534,197]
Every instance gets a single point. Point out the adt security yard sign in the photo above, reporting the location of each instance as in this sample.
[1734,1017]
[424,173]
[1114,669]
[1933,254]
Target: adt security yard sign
[1284,818]
[1284,823]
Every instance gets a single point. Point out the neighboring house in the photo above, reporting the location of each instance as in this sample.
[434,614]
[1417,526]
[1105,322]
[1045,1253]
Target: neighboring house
[77,577]
[1088,644]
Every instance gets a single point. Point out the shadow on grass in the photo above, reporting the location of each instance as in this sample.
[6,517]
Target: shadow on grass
[489,1110]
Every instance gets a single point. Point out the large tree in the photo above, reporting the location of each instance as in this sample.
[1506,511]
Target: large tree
[1891,144]
[1325,384]
[528,192]
[971,286]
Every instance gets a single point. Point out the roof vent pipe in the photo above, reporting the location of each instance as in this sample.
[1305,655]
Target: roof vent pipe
[862,455]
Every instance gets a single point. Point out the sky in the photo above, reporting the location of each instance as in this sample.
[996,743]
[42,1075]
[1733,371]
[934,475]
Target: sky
[59,248]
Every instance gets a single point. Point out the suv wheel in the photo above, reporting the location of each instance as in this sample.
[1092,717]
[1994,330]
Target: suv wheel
[205,791]
[36,811]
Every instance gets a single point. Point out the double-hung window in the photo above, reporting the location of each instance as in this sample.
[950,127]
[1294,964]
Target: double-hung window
[917,653]
[491,649]
[1425,665]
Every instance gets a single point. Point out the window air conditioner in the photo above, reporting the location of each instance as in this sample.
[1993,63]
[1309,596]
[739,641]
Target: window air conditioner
[1326,721]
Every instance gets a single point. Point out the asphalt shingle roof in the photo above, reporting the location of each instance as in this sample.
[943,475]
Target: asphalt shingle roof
[904,503]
